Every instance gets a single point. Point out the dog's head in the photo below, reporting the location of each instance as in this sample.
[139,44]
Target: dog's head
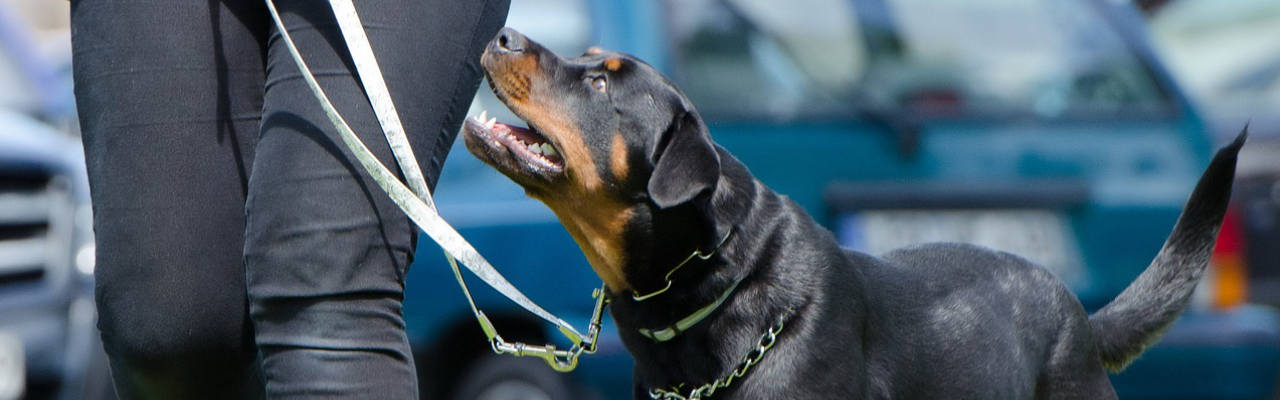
[612,147]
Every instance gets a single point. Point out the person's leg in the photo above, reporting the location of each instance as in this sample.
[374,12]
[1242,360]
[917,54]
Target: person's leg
[326,251]
[169,95]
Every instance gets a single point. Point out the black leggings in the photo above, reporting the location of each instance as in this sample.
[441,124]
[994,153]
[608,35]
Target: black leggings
[240,249]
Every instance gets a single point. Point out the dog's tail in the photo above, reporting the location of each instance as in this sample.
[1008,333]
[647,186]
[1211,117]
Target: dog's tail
[1140,314]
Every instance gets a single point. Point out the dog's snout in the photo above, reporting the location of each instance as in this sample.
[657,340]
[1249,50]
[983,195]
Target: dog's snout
[511,41]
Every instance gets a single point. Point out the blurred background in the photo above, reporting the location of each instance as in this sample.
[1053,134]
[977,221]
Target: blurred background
[1067,131]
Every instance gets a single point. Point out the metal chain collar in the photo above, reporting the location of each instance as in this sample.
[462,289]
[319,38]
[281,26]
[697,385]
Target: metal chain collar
[752,358]
[635,295]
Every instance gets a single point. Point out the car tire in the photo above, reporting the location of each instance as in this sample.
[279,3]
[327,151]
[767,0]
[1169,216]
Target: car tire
[495,377]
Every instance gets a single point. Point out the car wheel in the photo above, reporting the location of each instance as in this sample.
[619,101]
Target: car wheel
[495,377]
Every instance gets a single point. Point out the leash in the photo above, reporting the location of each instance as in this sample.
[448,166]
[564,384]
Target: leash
[418,203]
[751,359]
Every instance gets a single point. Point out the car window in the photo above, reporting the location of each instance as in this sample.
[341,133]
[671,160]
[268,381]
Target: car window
[1227,55]
[760,56]
[945,58]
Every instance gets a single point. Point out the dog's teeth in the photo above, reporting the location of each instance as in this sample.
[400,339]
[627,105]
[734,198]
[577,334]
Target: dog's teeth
[484,116]
[536,149]
[491,122]
[548,149]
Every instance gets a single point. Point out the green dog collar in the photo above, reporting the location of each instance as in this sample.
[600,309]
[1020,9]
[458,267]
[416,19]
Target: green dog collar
[670,332]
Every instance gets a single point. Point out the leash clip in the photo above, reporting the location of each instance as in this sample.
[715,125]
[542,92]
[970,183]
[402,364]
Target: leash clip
[559,360]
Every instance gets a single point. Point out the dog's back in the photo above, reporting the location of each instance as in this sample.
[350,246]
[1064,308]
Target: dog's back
[993,315]
[1001,318]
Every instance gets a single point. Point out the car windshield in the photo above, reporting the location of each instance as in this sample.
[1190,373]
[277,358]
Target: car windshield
[933,58]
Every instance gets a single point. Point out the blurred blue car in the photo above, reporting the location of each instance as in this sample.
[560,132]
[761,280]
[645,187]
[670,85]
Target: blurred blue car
[49,346]
[1044,128]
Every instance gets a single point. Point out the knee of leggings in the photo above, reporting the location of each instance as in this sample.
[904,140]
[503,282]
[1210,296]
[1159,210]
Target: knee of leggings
[157,356]
[175,362]
[155,334]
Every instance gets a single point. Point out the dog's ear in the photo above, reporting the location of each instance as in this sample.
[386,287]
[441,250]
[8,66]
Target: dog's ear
[685,163]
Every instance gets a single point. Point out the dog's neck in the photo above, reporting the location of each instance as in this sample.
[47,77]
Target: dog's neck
[745,258]
[688,251]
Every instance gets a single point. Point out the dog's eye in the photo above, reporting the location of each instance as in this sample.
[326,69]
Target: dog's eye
[599,83]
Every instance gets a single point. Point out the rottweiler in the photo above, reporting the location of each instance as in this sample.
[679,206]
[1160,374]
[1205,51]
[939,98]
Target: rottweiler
[721,287]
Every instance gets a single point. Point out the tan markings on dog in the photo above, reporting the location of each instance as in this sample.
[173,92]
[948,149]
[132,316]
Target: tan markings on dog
[513,84]
[613,64]
[549,119]
[511,75]
[513,89]
[593,217]
[596,221]
[517,79]
[618,158]
[594,50]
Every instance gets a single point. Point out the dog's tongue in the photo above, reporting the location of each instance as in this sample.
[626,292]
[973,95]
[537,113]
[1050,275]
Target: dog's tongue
[531,140]
[529,136]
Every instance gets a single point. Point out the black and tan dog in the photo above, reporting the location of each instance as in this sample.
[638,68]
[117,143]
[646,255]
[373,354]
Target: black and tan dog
[626,163]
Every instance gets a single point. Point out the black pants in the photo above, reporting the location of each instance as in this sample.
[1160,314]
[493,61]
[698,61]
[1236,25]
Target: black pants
[232,224]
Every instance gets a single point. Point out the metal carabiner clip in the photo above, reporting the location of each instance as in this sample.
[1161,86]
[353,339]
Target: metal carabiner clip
[559,360]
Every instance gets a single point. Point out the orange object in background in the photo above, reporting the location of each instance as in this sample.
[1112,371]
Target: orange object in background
[1230,273]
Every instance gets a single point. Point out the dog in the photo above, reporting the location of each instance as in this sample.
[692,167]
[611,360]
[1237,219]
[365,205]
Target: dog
[720,286]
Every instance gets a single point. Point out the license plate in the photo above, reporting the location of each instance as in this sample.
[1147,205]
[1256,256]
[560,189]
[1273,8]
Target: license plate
[1041,236]
[13,377]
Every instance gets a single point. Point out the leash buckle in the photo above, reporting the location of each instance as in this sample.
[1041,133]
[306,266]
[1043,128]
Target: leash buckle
[557,359]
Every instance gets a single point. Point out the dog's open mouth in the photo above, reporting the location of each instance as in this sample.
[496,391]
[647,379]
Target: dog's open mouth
[513,146]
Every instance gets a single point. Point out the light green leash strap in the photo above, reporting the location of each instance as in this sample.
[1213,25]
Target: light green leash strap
[419,210]
[379,97]
[375,86]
